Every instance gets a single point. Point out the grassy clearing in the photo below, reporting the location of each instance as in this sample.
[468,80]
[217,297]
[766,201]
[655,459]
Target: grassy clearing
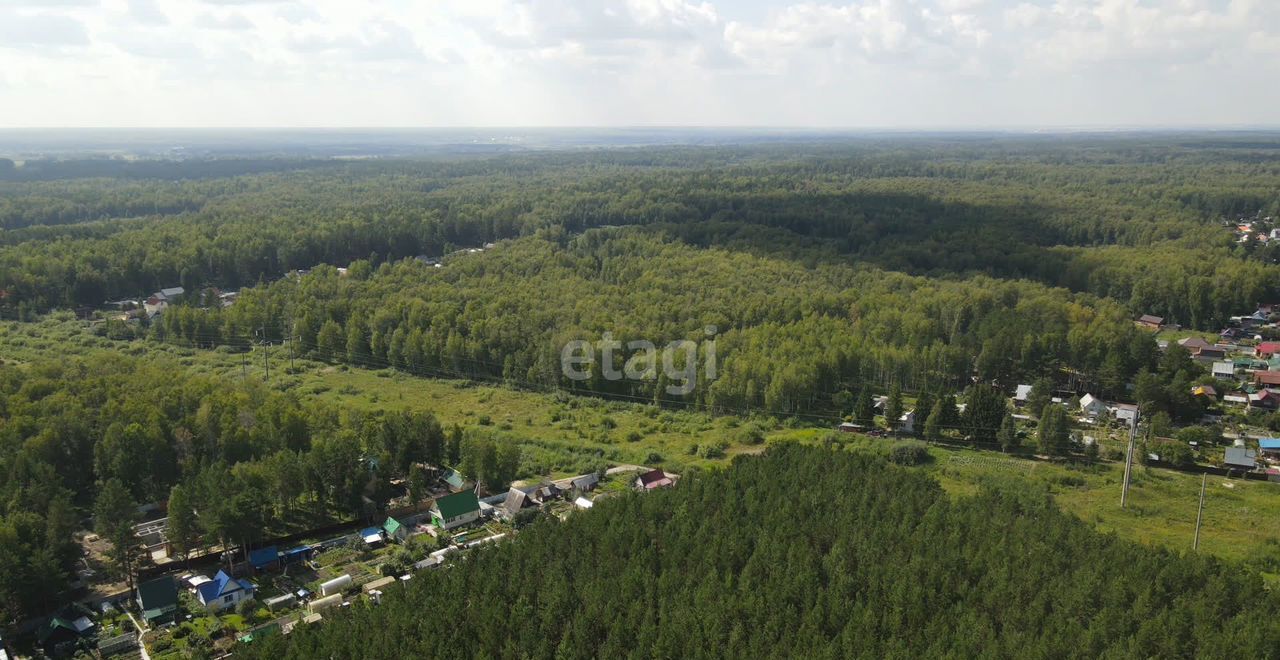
[562,434]
[1241,518]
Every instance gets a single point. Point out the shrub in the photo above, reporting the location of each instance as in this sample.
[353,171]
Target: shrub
[909,452]
[246,608]
[752,434]
[712,449]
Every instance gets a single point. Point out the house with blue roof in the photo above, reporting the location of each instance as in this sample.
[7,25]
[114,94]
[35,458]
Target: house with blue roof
[1269,447]
[224,591]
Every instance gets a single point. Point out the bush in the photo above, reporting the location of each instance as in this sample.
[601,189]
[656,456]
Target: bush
[909,452]
[1175,452]
[634,436]
[751,434]
[712,449]
[246,608]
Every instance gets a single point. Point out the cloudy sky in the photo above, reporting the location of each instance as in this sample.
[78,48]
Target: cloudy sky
[866,63]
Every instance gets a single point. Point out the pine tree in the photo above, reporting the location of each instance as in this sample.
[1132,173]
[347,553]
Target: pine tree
[182,521]
[893,408]
[1054,435]
[864,410]
[1008,435]
[933,427]
[1040,396]
[924,408]
[114,513]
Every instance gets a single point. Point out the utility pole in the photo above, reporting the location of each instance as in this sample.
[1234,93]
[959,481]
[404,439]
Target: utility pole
[266,366]
[1128,458]
[1195,543]
[292,367]
[244,366]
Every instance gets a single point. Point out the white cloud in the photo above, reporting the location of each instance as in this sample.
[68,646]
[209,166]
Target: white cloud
[18,30]
[223,22]
[574,62]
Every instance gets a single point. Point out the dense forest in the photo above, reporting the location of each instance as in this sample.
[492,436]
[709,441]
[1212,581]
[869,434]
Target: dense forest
[1137,220]
[250,459]
[811,276]
[812,553]
[791,336]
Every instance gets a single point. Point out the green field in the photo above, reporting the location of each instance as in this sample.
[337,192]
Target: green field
[560,433]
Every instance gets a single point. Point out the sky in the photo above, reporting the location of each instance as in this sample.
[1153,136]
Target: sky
[915,64]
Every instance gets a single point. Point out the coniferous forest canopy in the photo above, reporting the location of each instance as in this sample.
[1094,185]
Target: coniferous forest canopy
[810,553]
[917,264]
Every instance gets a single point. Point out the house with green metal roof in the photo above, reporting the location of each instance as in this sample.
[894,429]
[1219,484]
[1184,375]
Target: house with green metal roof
[395,530]
[158,599]
[455,510]
[58,637]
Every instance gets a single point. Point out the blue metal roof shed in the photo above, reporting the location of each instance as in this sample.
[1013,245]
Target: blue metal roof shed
[264,557]
[299,553]
[1272,444]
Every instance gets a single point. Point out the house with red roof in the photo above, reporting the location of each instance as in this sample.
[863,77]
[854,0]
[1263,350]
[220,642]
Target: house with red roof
[653,479]
[1266,378]
[1268,348]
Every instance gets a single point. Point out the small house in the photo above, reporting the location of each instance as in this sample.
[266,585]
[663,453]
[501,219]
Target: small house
[907,422]
[1150,322]
[1211,353]
[224,591]
[653,480]
[1267,349]
[455,510]
[394,530]
[1092,406]
[546,493]
[1269,447]
[153,306]
[1224,369]
[1205,392]
[1266,378]
[1020,394]
[586,482]
[158,599]
[517,500]
[1193,344]
[1264,399]
[1239,457]
[171,294]
[1125,413]
[58,637]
